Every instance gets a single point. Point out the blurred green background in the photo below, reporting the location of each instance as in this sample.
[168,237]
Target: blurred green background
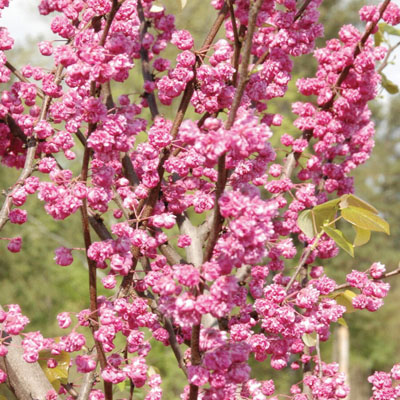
[32,279]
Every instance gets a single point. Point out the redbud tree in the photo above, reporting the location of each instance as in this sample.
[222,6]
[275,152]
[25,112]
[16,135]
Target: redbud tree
[212,241]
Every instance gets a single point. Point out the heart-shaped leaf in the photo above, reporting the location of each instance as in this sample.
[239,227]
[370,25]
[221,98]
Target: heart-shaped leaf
[365,219]
[339,239]
[362,236]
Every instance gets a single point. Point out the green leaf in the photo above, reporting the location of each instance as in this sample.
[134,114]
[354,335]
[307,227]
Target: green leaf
[59,374]
[365,219]
[346,299]
[339,239]
[325,213]
[390,86]
[348,200]
[362,236]
[310,339]
[342,321]
[378,38]
[256,69]
[121,386]
[305,223]
[389,29]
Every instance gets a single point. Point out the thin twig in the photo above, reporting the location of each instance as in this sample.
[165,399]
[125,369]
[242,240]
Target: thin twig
[30,155]
[222,173]
[85,216]
[293,157]
[385,61]
[302,263]
[144,56]
[302,9]
[88,382]
[384,276]
[145,207]
[18,74]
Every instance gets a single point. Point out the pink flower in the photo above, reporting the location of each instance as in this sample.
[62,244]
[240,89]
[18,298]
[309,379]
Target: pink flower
[45,48]
[198,375]
[3,376]
[96,394]
[64,320]
[51,395]
[109,281]
[15,244]
[18,216]
[392,14]
[182,40]
[63,256]
[85,364]
[184,241]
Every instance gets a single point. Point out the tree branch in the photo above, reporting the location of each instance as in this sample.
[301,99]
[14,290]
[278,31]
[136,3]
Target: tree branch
[26,380]
[30,156]
[144,56]
[222,173]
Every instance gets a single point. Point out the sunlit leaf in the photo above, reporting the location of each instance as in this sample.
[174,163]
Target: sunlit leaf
[349,200]
[389,29]
[121,385]
[378,38]
[365,219]
[183,3]
[325,213]
[346,299]
[342,321]
[59,374]
[258,68]
[305,223]
[390,86]
[156,8]
[362,236]
[310,339]
[339,239]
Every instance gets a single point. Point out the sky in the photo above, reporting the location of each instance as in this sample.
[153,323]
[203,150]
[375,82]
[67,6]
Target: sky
[23,21]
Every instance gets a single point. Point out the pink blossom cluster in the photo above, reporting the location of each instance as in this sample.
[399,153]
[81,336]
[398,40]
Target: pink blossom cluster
[372,289]
[385,385]
[330,385]
[341,125]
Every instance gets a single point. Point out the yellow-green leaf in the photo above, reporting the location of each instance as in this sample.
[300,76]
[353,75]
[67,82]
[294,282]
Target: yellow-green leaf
[390,86]
[305,223]
[121,385]
[389,29]
[325,213]
[378,38]
[362,236]
[342,321]
[258,68]
[349,200]
[310,339]
[346,299]
[365,219]
[339,239]
[59,374]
